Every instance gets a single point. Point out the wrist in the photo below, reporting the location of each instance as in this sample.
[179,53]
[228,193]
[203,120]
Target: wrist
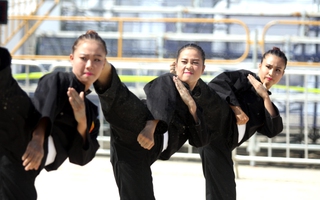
[266,98]
[38,137]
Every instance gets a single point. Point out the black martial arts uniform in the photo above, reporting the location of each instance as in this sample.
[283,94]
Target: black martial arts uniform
[127,116]
[52,101]
[19,118]
[165,103]
[234,88]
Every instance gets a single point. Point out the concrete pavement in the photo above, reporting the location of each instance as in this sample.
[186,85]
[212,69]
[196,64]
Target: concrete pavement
[178,180]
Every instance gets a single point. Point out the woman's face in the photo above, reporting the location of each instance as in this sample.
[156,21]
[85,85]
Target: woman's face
[87,61]
[189,66]
[271,70]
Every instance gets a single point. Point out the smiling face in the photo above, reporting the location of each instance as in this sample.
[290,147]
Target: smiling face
[189,66]
[88,60]
[271,70]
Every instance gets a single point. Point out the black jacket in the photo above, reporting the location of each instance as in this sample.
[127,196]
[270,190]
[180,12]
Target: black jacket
[165,103]
[51,100]
[235,88]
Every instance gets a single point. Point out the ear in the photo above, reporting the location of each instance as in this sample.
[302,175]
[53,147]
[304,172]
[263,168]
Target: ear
[204,67]
[71,57]
[259,66]
[105,62]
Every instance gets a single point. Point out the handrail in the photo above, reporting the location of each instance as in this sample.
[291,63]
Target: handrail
[288,22]
[206,10]
[120,35]
[121,20]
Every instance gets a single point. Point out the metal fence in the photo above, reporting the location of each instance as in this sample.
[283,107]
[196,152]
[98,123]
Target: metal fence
[297,97]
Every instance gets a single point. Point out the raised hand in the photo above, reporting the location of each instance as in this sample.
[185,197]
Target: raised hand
[258,86]
[185,95]
[77,103]
[79,110]
[173,68]
[261,89]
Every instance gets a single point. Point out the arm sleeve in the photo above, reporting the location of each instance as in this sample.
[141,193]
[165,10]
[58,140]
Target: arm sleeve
[161,98]
[48,98]
[273,125]
[81,155]
[228,84]
[198,133]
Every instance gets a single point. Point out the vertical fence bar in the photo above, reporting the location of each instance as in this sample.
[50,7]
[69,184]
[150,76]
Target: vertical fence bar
[120,42]
[287,116]
[306,116]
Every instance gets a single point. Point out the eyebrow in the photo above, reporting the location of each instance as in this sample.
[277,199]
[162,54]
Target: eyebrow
[276,67]
[93,55]
[190,58]
[280,67]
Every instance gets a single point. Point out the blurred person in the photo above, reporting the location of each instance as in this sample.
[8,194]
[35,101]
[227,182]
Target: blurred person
[18,119]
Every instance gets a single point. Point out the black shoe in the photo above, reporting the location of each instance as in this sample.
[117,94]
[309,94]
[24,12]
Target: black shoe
[5,58]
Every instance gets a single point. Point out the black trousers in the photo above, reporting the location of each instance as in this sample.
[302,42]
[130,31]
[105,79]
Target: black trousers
[131,167]
[127,116]
[217,161]
[15,182]
[17,119]
[218,170]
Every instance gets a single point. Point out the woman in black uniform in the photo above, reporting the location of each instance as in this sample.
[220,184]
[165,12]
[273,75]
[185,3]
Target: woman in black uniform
[65,123]
[186,117]
[138,136]
[247,94]
[72,122]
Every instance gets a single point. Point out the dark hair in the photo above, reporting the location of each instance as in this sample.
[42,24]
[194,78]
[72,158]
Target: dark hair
[90,35]
[195,46]
[277,52]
